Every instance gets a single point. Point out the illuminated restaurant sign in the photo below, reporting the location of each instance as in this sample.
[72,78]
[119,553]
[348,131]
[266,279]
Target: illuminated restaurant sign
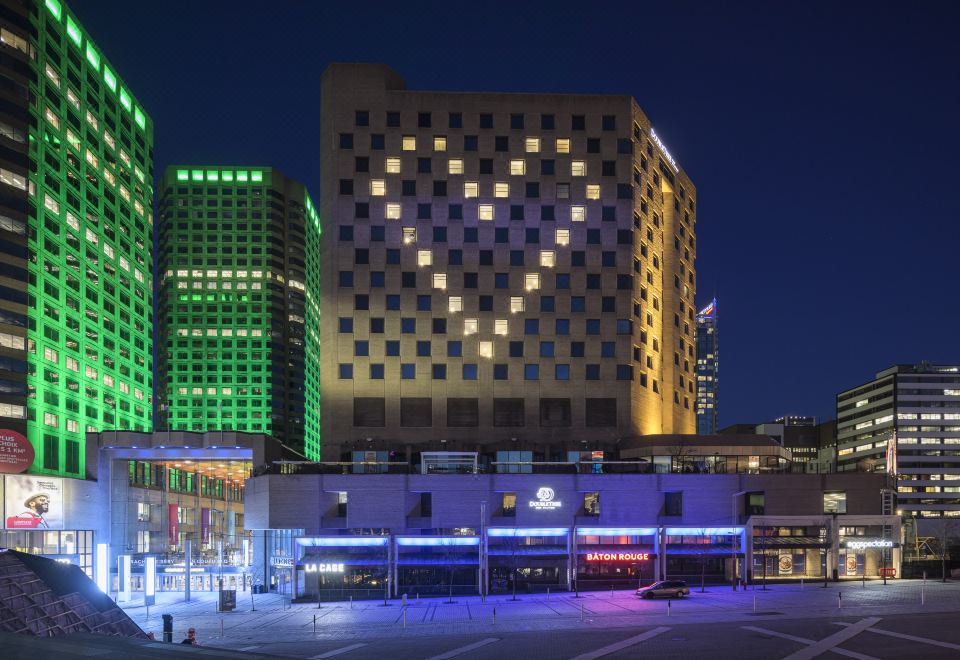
[323,568]
[618,556]
[868,543]
[545,500]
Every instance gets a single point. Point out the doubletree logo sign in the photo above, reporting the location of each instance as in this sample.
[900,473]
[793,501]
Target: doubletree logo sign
[545,499]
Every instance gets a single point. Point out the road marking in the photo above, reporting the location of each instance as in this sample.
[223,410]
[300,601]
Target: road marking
[804,640]
[335,652]
[912,638]
[250,648]
[830,642]
[619,646]
[465,649]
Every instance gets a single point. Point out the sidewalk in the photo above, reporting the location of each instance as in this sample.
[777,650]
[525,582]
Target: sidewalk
[274,618]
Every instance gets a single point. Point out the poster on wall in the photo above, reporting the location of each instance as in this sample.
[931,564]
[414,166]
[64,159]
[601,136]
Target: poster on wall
[785,565]
[16,452]
[33,502]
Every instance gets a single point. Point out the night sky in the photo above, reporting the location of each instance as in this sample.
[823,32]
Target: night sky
[822,138]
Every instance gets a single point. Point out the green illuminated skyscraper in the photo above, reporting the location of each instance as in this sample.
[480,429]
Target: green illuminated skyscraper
[238,320]
[76,281]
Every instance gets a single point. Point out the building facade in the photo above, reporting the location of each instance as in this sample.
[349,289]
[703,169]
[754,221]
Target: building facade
[906,422]
[238,323]
[336,535]
[501,268]
[76,240]
[708,370]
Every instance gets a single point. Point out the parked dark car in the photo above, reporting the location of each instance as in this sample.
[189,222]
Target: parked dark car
[668,588]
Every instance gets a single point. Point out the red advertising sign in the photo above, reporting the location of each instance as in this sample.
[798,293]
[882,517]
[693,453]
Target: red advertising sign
[618,556]
[173,524]
[16,452]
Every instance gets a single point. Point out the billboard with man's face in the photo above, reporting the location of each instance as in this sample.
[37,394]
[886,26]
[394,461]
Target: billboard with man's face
[33,502]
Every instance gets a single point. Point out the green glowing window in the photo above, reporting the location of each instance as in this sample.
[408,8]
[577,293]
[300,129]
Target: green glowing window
[183,175]
[109,78]
[73,31]
[196,175]
[55,8]
[139,118]
[242,175]
[227,176]
[213,175]
[256,176]
[125,100]
[93,57]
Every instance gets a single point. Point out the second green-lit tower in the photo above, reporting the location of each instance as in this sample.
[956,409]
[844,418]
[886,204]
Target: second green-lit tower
[238,320]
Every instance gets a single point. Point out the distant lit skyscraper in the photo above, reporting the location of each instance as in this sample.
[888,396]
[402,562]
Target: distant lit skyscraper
[76,240]
[708,369]
[238,318]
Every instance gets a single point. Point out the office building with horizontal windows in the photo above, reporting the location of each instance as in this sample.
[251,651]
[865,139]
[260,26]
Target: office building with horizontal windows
[906,423]
[76,240]
[237,303]
[500,271]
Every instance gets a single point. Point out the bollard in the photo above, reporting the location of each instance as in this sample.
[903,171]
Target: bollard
[801,584]
[404,617]
[754,602]
[924,577]
[863,580]
[581,612]
[669,606]
[351,602]
[494,615]
[314,624]
[921,594]
[548,593]
[221,628]
[839,600]
[168,628]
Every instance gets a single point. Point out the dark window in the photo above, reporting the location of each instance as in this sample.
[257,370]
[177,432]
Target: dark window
[346,324]
[486,303]
[456,120]
[516,349]
[439,372]
[361,118]
[516,121]
[531,372]
[423,119]
[424,211]
[361,210]
[408,371]
[501,143]
[500,372]
[346,232]
[408,188]
[369,411]
[424,303]
[393,302]
[508,412]
[439,188]
[548,304]
[576,349]
[376,325]
[673,503]
[439,326]
[416,411]
[469,372]
[454,349]
[470,280]
[470,235]
[469,142]
[377,142]
[408,326]
[361,302]
[393,348]
[547,167]
[516,211]
[578,123]
[554,412]
[486,120]
[376,371]
[423,165]
[547,213]
[593,145]
[346,140]
[463,412]
[423,349]
[455,212]
[562,372]
[439,234]
[346,278]
[608,168]
[532,190]
[393,119]
[601,412]
[346,371]
[609,122]
[455,257]
[547,122]
[592,372]
[361,164]
[486,166]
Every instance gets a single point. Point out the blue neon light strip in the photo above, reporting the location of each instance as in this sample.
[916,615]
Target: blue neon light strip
[616,531]
[437,540]
[342,541]
[527,531]
[704,531]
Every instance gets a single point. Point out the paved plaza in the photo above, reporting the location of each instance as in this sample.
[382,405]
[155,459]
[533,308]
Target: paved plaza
[901,619]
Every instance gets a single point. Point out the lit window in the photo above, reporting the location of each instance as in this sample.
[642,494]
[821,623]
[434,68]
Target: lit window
[471,189]
[409,235]
[563,145]
[518,167]
[409,143]
[52,75]
[532,145]
[50,419]
[563,237]
[455,304]
[516,304]
[501,190]
[50,354]
[439,280]
[72,364]
[470,326]
[578,213]
[52,118]
[424,258]
[393,166]
[378,187]
[578,168]
[455,166]
[393,211]
[501,327]
[486,349]
[547,258]
[439,143]
[485,211]
[593,191]
[532,281]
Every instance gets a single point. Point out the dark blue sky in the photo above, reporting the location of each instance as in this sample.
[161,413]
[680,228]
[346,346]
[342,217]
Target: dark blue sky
[822,137]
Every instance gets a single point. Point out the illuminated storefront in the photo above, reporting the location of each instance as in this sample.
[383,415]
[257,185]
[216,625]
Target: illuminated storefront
[437,565]
[340,567]
[616,556]
[528,558]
